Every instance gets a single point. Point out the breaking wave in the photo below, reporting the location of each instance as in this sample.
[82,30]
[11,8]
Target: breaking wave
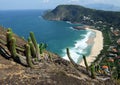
[79,48]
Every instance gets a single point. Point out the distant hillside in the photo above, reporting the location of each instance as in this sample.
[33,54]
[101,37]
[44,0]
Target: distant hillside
[79,14]
[105,7]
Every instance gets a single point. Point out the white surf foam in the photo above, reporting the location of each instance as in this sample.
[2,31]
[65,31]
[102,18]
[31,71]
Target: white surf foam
[73,28]
[78,50]
[39,17]
[68,22]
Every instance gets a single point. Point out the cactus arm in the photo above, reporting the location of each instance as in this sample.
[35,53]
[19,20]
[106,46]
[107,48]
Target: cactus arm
[85,62]
[28,56]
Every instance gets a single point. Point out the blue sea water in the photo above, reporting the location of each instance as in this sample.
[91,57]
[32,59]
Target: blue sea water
[57,34]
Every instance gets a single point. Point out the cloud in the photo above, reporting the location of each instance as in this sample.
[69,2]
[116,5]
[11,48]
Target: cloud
[46,1]
[73,1]
[100,1]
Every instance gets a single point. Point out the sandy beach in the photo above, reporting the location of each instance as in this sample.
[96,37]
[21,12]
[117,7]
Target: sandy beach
[97,47]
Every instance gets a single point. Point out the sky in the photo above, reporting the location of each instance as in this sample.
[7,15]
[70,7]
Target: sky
[48,4]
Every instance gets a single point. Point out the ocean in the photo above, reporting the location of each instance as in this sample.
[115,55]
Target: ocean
[58,35]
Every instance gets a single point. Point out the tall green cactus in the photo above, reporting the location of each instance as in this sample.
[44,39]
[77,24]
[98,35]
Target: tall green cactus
[35,44]
[33,39]
[13,47]
[9,37]
[68,54]
[85,62]
[32,48]
[93,72]
[28,56]
[33,52]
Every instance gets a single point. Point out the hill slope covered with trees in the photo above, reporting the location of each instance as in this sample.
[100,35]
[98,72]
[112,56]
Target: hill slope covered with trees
[79,14]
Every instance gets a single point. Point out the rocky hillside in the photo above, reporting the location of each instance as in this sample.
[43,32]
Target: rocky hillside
[79,14]
[48,70]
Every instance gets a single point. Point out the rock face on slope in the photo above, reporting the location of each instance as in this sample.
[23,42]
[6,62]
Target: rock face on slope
[48,71]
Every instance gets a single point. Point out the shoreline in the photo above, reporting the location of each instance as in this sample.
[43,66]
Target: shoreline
[97,47]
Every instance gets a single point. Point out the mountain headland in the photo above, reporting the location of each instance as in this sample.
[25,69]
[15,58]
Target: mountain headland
[79,14]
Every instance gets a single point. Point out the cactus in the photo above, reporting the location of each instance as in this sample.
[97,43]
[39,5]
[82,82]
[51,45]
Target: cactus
[29,39]
[35,44]
[85,62]
[9,30]
[92,72]
[28,56]
[9,37]
[33,39]
[32,48]
[68,54]
[13,47]
[42,46]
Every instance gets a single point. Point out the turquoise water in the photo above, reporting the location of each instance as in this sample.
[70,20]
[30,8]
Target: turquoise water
[57,34]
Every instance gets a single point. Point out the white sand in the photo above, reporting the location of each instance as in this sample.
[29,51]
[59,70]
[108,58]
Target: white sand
[97,47]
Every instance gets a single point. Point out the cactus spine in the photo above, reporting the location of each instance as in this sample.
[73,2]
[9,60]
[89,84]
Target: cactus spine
[28,56]
[13,47]
[85,62]
[92,71]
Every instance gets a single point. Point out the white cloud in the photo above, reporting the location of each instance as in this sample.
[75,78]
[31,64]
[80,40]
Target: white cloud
[46,1]
[100,1]
[73,1]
